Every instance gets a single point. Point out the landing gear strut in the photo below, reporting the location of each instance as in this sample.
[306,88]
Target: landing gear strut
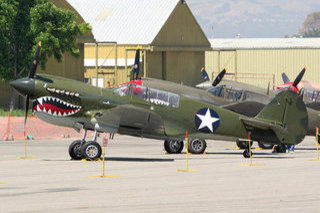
[91,149]
[75,147]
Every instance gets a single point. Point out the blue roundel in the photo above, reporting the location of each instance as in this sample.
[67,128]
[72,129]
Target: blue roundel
[207,120]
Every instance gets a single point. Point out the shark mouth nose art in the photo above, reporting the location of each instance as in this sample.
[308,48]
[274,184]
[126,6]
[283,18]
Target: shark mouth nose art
[55,107]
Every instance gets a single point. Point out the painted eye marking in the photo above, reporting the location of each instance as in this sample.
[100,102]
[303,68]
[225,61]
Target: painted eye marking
[55,107]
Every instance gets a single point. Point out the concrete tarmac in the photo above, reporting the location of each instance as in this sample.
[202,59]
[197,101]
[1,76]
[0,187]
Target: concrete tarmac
[149,181]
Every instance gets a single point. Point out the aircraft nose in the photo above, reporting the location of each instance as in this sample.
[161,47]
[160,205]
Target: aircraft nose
[25,86]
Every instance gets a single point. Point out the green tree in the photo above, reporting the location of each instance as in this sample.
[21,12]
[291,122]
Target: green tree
[24,23]
[311,25]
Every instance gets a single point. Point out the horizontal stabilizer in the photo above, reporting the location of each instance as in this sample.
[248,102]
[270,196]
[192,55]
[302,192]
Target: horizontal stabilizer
[263,125]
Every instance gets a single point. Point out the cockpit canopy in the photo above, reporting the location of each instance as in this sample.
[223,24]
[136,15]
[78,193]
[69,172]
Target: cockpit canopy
[227,92]
[151,95]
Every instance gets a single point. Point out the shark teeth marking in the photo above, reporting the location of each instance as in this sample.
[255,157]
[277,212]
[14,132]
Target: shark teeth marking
[40,101]
[55,107]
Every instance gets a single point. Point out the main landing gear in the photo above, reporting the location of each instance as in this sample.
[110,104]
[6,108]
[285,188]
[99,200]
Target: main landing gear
[195,146]
[173,146]
[80,149]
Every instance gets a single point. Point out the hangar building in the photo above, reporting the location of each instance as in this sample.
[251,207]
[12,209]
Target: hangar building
[172,43]
[261,60]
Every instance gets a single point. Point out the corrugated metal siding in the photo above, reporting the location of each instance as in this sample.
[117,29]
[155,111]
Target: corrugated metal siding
[259,62]
[265,43]
[125,21]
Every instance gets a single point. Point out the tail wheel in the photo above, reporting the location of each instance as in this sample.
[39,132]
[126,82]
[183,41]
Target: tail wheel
[246,153]
[91,150]
[265,145]
[197,146]
[173,146]
[75,151]
[243,144]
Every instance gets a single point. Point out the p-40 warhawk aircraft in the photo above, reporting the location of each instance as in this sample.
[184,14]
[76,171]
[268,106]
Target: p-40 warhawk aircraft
[144,111]
[249,100]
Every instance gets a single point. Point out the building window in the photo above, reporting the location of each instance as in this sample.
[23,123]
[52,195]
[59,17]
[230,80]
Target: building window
[100,82]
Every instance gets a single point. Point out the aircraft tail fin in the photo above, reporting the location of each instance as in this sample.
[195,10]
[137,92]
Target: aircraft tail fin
[205,75]
[286,115]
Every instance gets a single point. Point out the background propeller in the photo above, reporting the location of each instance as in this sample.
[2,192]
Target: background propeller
[299,77]
[285,78]
[32,72]
[219,77]
[136,65]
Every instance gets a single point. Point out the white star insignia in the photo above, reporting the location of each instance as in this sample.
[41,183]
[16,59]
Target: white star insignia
[207,120]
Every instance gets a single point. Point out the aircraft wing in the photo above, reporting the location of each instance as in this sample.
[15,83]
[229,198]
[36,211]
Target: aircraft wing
[105,121]
[247,108]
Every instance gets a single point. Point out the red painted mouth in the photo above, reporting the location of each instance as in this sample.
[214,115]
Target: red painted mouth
[55,107]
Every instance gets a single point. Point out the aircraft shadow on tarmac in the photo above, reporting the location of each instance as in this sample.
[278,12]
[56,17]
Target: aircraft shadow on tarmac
[255,155]
[52,190]
[129,159]
[303,148]
[138,159]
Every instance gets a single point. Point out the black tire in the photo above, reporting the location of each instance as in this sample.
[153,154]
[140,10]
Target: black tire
[243,144]
[265,145]
[91,150]
[75,151]
[197,146]
[173,146]
[246,153]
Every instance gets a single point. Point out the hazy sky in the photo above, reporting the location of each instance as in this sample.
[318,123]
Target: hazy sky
[251,18]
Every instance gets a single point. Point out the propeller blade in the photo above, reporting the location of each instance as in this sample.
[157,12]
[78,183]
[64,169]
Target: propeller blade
[219,77]
[299,77]
[136,64]
[26,111]
[285,78]
[33,67]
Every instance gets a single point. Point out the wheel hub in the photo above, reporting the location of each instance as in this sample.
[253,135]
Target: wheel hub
[175,145]
[196,145]
[92,151]
[77,150]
